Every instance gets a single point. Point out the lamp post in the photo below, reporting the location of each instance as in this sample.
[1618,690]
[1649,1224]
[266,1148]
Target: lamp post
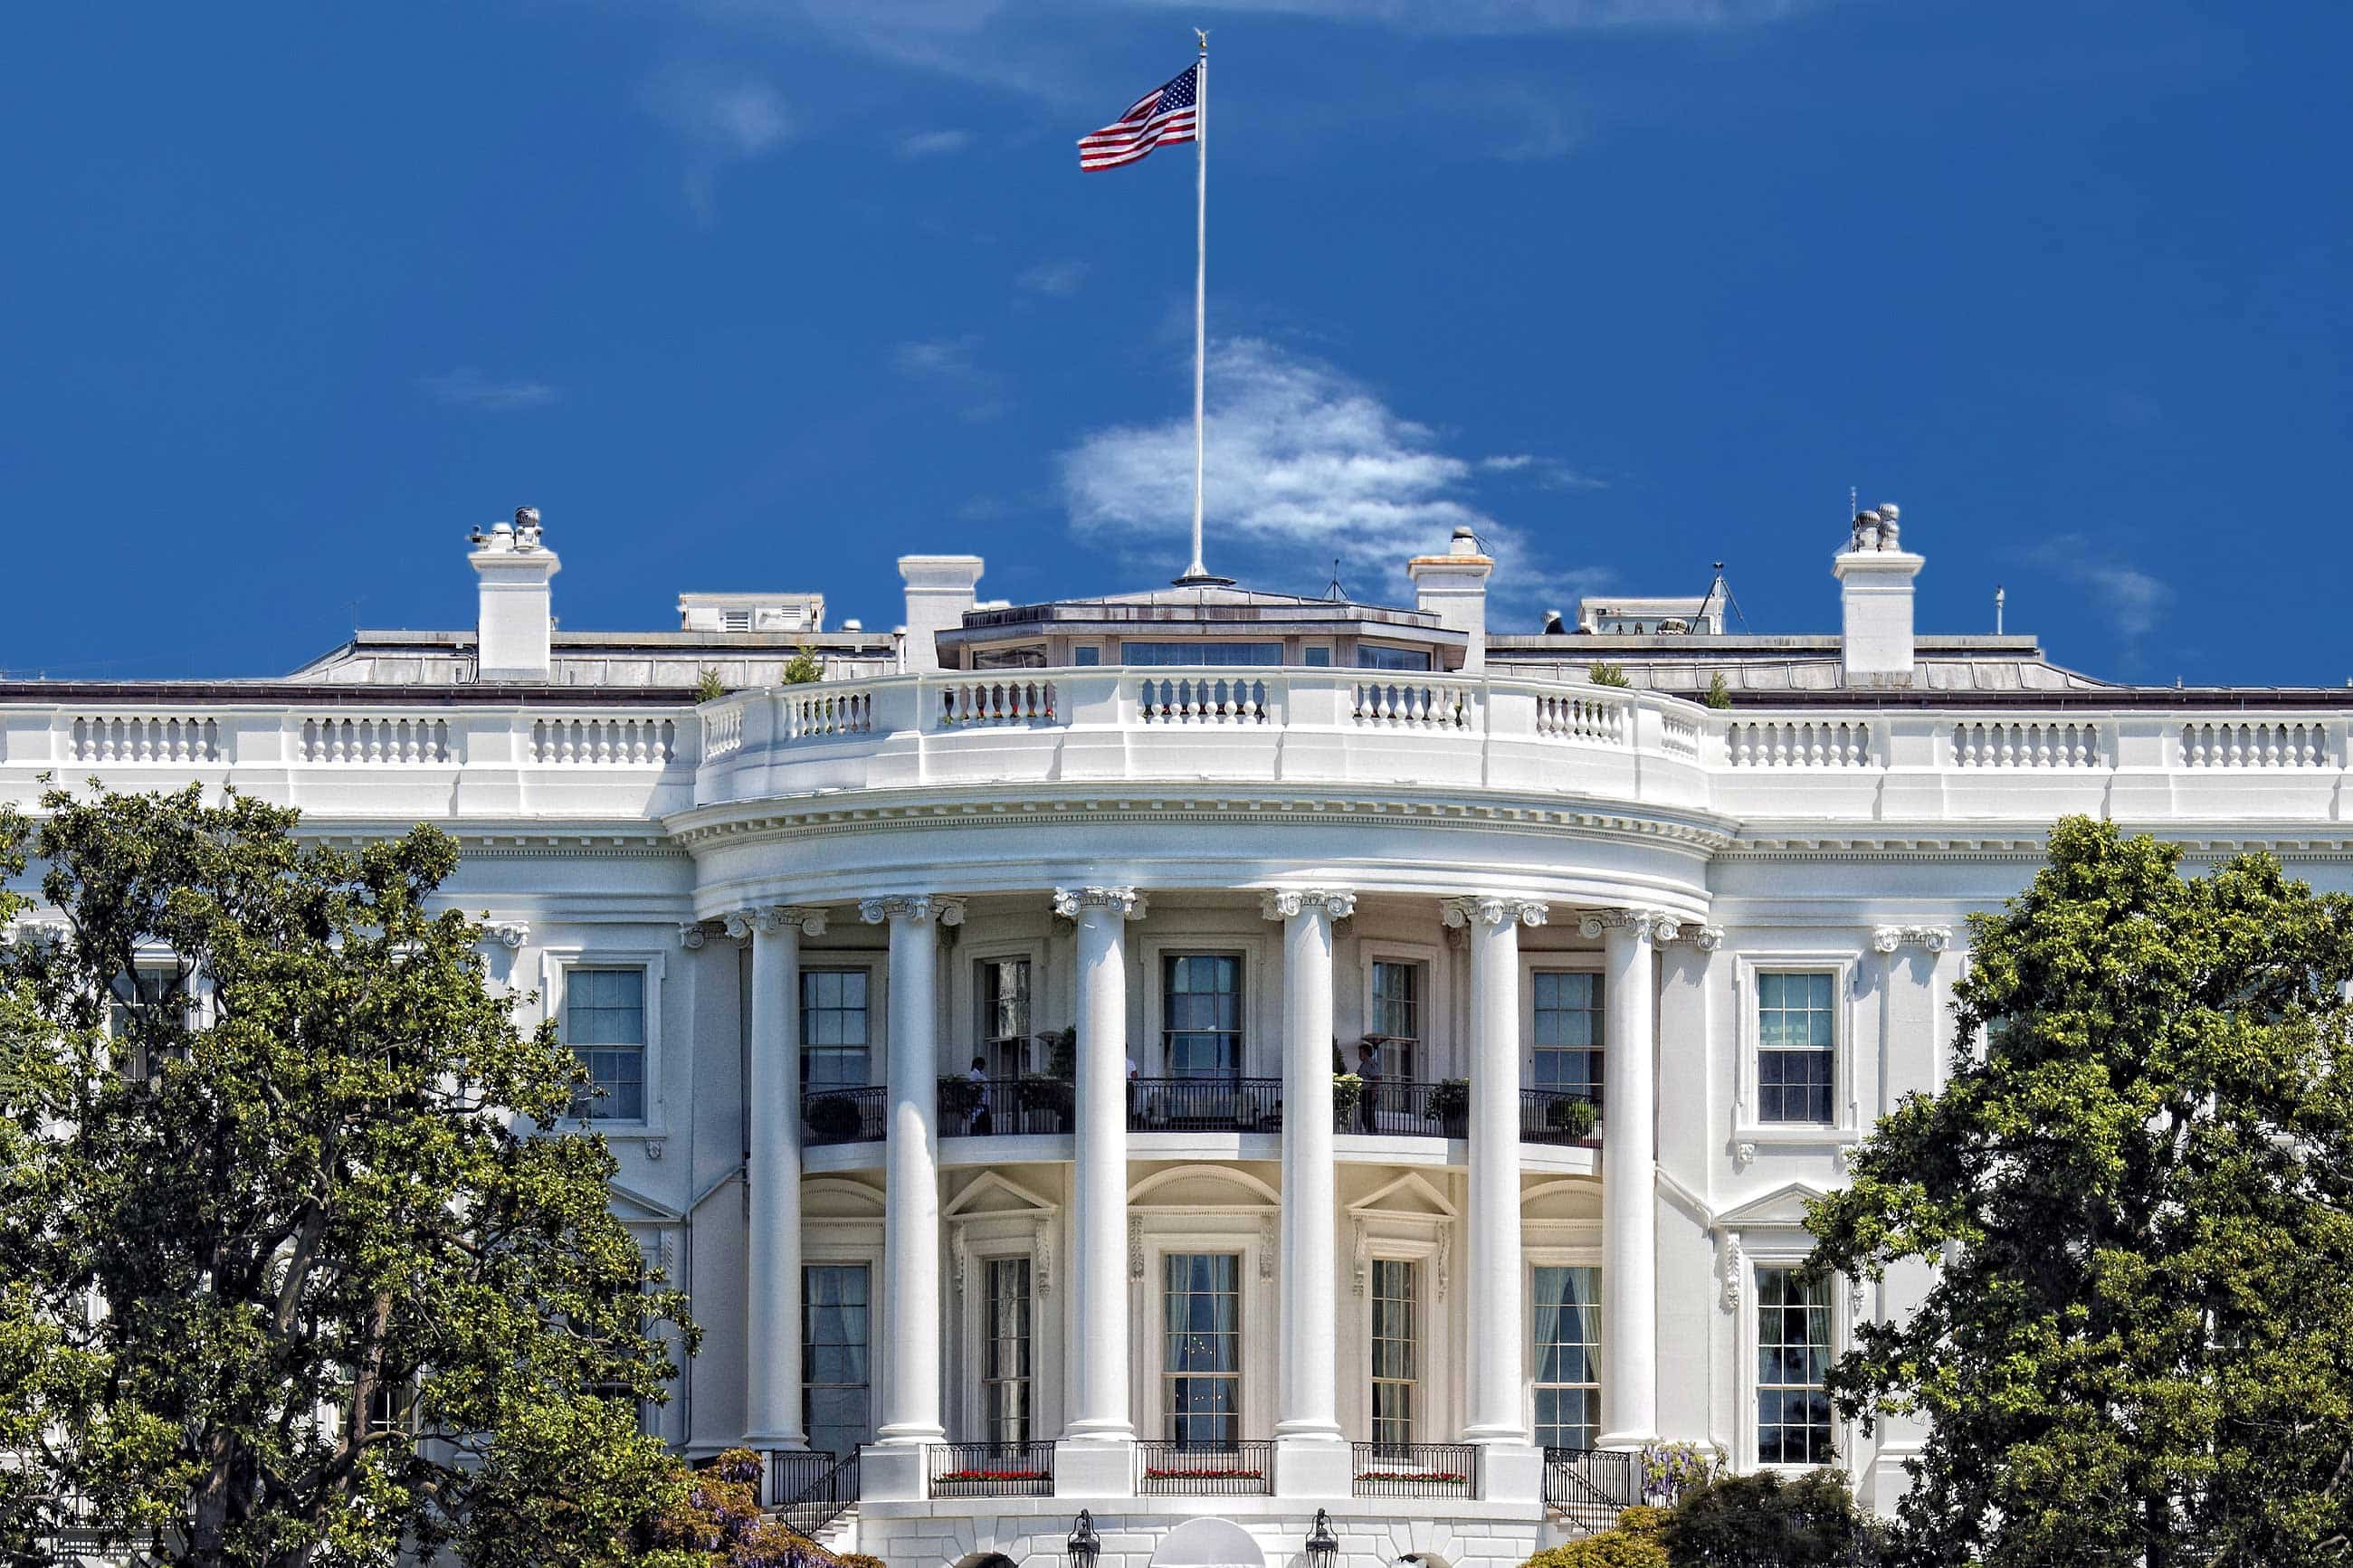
[1084,1545]
[1323,1546]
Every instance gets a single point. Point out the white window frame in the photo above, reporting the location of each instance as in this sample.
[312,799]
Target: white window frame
[1427,1388]
[1845,1124]
[1234,1232]
[970,1000]
[555,966]
[1441,1056]
[1783,1248]
[1258,1029]
[822,1254]
[877,968]
[1567,960]
[1580,1255]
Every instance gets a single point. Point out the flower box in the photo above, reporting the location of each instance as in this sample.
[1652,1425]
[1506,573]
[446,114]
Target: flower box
[1156,1473]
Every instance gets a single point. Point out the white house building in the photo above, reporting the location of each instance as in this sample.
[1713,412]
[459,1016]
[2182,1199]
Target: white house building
[967,1021]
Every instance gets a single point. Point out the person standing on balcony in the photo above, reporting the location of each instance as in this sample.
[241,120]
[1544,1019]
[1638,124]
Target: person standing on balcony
[1368,1068]
[979,1123]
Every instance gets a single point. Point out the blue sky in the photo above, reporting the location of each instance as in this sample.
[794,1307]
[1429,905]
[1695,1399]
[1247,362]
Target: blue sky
[764,293]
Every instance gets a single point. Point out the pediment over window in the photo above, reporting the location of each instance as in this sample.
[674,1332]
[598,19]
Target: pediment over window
[1410,1196]
[1783,1206]
[1203,1187]
[838,1197]
[635,1208]
[992,1196]
[1572,1198]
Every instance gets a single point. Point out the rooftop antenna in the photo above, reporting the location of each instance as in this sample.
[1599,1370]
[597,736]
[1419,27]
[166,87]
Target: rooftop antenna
[1721,585]
[1332,591]
[1997,598]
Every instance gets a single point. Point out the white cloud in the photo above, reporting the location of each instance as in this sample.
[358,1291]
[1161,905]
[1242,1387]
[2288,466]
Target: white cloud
[467,387]
[723,115]
[1053,276]
[1303,464]
[950,367]
[933,143]
[2133,601]
[1549,473]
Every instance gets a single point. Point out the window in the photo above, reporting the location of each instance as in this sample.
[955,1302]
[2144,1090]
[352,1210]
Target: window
[1086,657]
[1396,1364]
[1030,656]
[835,1329]
[1569,1357]
[1004,1014]
[1373,655]
[1202,1014]
[834,1038]
[1317,657]
[1794,1045]
[604,1024]
[1005,1353]
[141,994]
[1201,1362]
[1200,653]
[1793,1351]
[1568,1033]
[1397,1018]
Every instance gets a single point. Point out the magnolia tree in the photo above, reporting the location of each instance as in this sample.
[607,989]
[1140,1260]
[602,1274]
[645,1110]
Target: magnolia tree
[291,1277]
[2137,1192]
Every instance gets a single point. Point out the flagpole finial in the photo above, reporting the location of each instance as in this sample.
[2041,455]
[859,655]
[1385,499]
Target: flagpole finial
[1204,38]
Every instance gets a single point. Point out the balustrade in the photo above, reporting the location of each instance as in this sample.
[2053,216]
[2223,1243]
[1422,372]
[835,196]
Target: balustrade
[2030,743]
[633,743]
[1798,744]
[375,742]
[119,738]
[966,703]
[2254,745]
[1599,721]
[1202,700]
[1411,704]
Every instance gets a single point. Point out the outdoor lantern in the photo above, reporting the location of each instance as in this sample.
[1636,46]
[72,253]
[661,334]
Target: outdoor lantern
[1323,1546]
[1084,1544]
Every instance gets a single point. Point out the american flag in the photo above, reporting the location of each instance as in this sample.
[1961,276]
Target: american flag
[1164,115]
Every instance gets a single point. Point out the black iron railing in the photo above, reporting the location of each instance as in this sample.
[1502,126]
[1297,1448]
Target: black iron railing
[989,1469]
[1398,1108]
[1556,1116]
[843,1115]
[1411,1469]
[1587,1487]
[1240,1468]
[792,1472]
[1003,1106]
[1205,1105]
[825,1499]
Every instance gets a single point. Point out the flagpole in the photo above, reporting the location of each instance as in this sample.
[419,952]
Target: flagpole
[1198,574]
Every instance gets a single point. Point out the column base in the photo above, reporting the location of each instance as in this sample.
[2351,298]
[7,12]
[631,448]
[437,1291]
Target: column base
[892,1472]
[1510,1472]
[1620,1442]
[1312,1466]
[1094,1467]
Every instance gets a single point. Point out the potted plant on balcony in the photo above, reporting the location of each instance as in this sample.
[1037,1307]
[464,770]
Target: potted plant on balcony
[1450,1101]
[1347,1094]
[834,1118]
[959,1098]
[1571,1118]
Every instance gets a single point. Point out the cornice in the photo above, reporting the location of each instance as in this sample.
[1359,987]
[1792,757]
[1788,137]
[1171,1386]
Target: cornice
[701,827]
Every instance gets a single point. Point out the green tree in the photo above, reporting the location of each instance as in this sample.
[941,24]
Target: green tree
[352,1303]
[2137,1347]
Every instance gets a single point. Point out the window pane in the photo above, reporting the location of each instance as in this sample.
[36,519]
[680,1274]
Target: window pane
[1201,1354]
[1793,1412]
[1566,1032]
[834,1040]
[1568,1359]
[1796,1038]
[834,1361]
[1005,1353]
[604,1024]
[1201,1009]
[1219,654]
[1372,656]
[1396,1357]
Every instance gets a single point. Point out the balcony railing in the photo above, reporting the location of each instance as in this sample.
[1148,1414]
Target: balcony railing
[1205,1105]
[1557,1116]
[1004,1106]
[792,1472]
[1399,1108]
[1411,1469]
[989,1469]
[1588,1486]
[1241,1468]
[826,1497]
[842,1115]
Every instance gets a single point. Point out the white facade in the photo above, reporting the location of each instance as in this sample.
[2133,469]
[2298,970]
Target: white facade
[782,923]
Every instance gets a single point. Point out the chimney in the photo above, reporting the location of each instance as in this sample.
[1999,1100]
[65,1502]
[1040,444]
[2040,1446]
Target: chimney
[1874,574]
[1453,587]
[940,589]
[513,629]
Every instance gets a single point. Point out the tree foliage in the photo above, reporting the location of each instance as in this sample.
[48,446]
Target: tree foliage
[1765,1520]
[2138,1345]
[292,1278]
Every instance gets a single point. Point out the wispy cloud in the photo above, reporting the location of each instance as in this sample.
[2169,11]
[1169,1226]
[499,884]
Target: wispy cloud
[1056,278]
[2132,600]
[933,143]
[1305,464]
[467,387]
[1547,473]
[951,367]
[723,115]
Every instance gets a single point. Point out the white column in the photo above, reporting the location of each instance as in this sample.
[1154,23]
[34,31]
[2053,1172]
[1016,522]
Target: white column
[1496,1410]
[1097,1406]
[772,1300]
[1629,1202]
[1307,1408]
[911,1211]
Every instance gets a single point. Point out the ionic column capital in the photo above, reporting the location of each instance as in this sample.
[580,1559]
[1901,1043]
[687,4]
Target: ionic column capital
[921,908]
[1126,902]
[1650,925]
[1495,910]
[509,934]
[1707,939]
[1930,939]
[1282,903]
[768,919]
